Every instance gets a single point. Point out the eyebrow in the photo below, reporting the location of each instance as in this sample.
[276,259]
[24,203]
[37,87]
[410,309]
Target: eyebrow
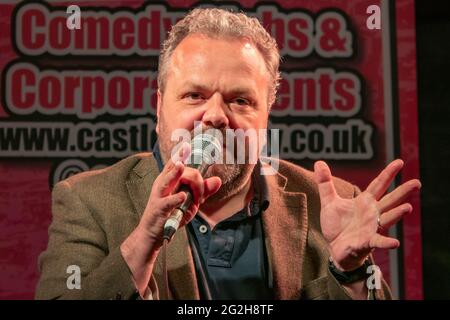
[194,86]
[245,90]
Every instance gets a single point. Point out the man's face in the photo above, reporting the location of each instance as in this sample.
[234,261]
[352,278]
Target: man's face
[222,83]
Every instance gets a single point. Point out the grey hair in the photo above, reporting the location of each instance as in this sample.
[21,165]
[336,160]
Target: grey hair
[216,22]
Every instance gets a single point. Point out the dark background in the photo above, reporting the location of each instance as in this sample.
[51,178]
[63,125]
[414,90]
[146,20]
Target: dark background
[433,66]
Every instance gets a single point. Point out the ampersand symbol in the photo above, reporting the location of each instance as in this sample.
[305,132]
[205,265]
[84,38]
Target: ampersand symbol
[330,40]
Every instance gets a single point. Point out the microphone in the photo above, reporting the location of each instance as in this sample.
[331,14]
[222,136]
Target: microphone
[205,148]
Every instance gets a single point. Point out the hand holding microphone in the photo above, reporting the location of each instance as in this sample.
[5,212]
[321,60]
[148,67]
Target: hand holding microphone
[205,149]
[168,194]
[179,190]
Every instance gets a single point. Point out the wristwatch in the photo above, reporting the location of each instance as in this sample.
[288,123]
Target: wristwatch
[347,277]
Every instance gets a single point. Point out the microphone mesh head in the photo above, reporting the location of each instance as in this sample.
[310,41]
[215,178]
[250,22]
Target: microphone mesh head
[206,148]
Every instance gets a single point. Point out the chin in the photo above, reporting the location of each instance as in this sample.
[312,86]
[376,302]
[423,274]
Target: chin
[234,178]
[222,170]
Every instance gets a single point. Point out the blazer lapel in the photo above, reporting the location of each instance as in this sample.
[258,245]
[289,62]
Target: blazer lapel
[286,225]
[180,264]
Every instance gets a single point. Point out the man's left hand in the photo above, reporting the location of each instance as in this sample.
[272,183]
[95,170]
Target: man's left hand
[351,226]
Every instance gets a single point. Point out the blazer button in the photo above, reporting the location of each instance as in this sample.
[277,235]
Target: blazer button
[119,295]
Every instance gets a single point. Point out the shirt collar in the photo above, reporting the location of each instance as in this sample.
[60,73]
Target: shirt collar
[261,190]
[157,156]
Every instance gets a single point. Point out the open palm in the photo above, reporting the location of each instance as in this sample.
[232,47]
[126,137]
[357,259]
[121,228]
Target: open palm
[351,226]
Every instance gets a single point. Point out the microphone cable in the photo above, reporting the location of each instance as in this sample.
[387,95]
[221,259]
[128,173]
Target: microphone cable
[165,272]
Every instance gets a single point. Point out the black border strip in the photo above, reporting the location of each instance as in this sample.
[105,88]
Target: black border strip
[396,133]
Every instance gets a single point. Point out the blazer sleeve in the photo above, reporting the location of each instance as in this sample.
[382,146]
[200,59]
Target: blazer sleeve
[337,292]
[77,242]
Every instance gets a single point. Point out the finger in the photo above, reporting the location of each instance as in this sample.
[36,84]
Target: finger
[212,185]
[182,153]
[383,242]
[169,179]
[193,179]
[388,219]
[170,202]
[189,214]
[322,175]
[381,183]
[399,195]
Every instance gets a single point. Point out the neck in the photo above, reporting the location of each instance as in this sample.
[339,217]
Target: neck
[220,210]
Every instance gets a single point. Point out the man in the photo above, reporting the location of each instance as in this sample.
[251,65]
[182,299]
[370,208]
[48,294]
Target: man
[293,235]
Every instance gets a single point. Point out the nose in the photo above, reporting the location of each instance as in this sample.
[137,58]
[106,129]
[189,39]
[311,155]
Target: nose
[216,112]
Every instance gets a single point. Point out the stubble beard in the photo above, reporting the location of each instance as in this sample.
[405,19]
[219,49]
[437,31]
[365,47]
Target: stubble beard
[234,176]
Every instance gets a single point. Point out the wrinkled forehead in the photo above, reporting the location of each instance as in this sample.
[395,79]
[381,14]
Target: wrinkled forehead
[199,47]
[199,53]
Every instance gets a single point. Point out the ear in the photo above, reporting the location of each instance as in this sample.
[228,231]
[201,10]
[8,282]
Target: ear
[158,109]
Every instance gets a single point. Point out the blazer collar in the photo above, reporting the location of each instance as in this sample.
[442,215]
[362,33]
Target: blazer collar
[285,225]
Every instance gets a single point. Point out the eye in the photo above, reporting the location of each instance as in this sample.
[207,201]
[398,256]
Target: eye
[193,96]
[242,101]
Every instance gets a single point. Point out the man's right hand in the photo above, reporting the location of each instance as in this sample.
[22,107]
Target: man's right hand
[141,248]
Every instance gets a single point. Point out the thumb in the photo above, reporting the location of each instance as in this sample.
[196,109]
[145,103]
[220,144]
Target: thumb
[322,176]
[212,185]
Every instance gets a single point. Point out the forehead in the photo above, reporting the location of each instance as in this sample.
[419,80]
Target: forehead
[202,58]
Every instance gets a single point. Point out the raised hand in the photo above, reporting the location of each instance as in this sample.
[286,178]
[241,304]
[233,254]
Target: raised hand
[351,226]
